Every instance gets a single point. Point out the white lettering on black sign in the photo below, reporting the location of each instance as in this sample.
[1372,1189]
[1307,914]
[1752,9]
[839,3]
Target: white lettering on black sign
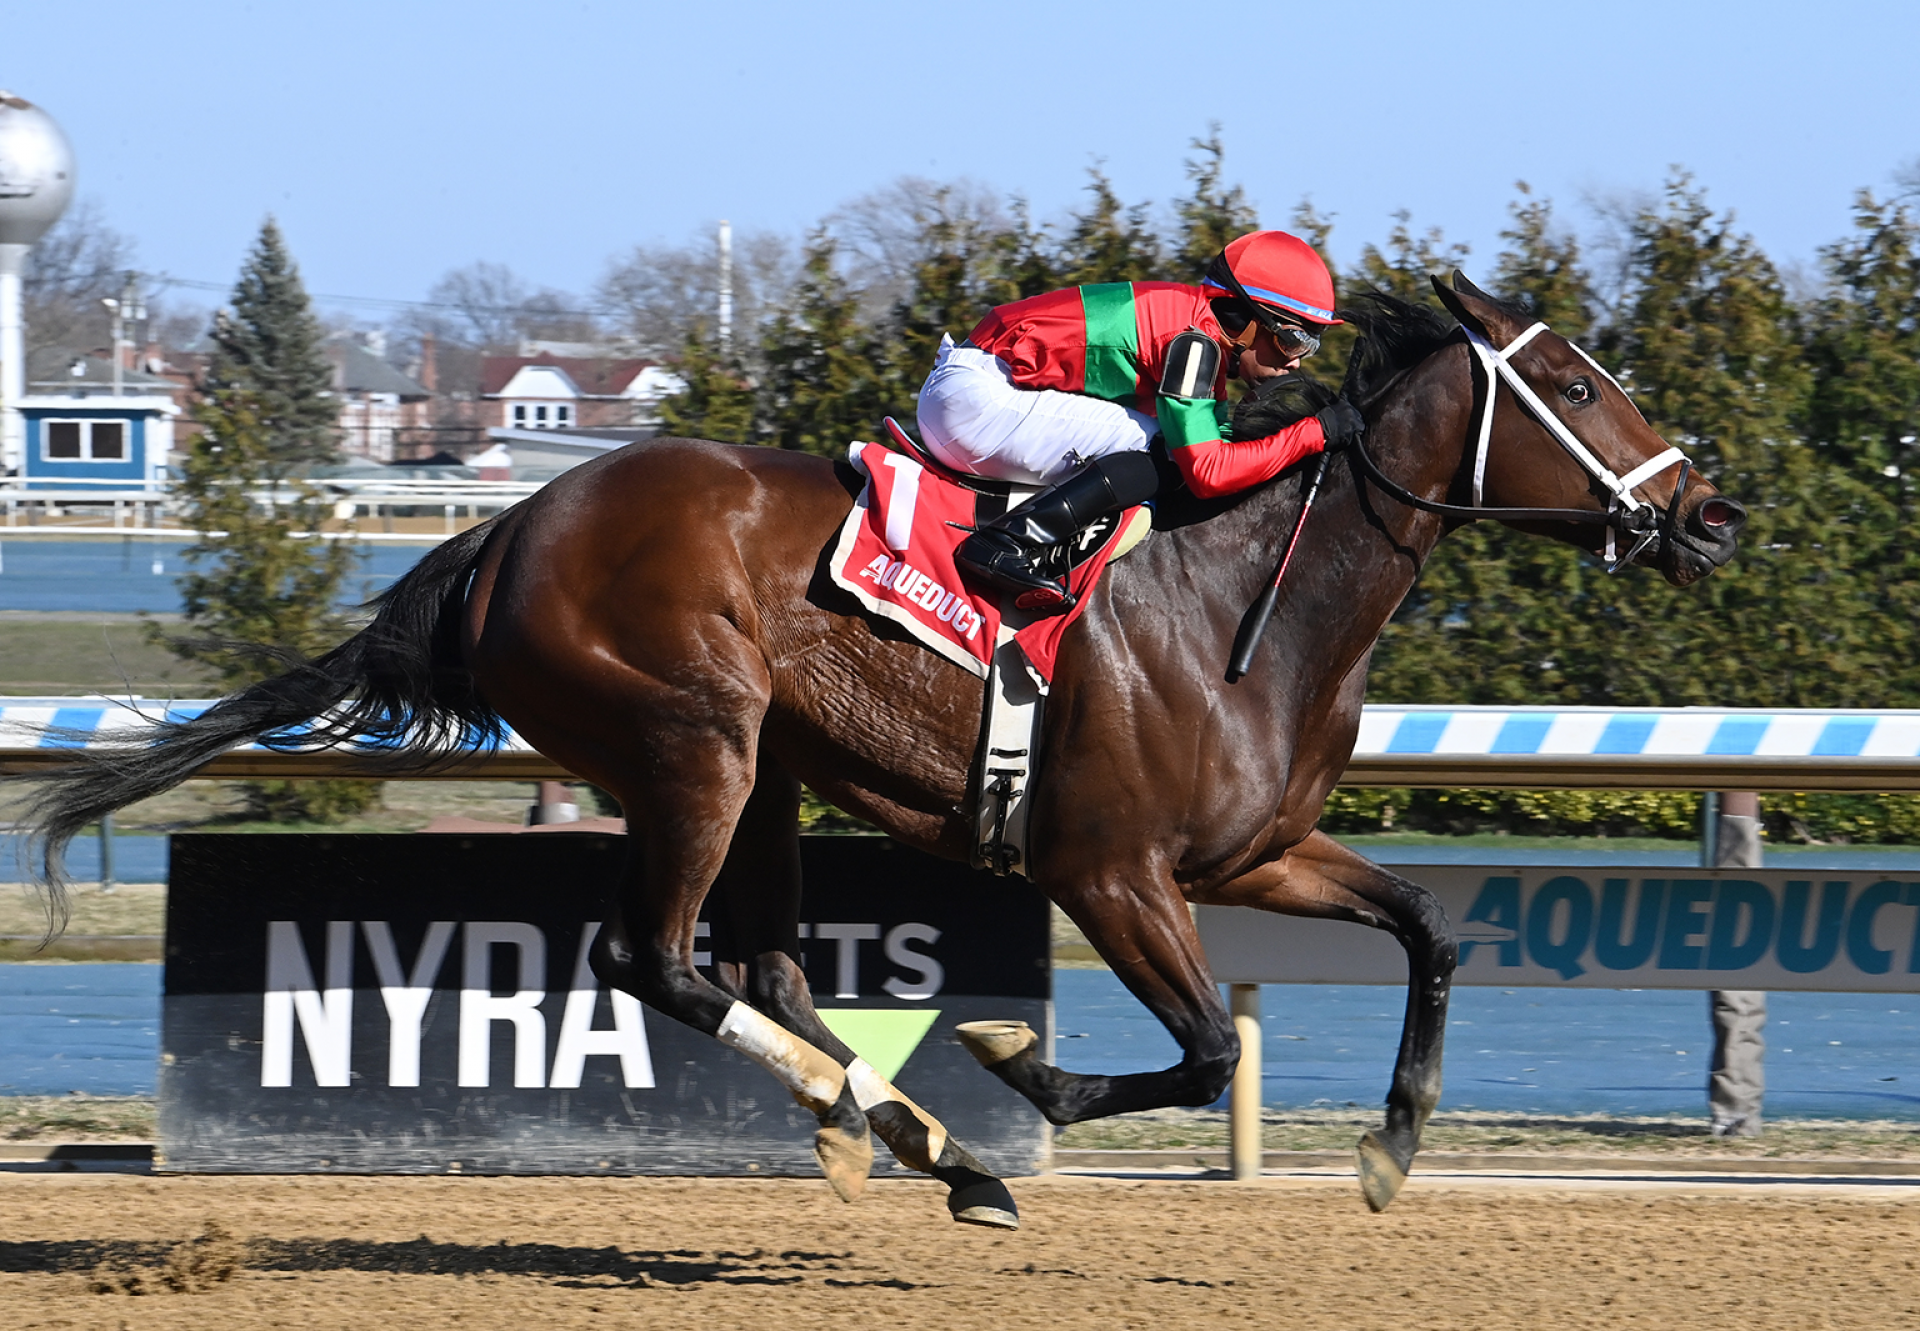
[325,1016]
[322,1013]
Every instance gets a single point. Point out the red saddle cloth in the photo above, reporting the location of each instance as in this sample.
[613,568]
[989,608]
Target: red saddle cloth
[895,554]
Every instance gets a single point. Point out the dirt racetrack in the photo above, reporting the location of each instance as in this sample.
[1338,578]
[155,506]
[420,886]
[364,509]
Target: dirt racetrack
[138,1252]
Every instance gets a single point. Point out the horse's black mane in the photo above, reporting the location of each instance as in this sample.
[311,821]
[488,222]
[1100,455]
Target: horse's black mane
[1395,336]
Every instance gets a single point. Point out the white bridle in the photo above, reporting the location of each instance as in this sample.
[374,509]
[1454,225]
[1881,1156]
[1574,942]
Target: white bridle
[1498,369]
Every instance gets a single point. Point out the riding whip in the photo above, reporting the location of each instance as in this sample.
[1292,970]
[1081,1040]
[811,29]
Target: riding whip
[1255,624]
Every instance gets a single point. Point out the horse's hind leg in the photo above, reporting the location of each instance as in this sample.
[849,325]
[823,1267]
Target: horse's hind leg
[1322,878]
[755,939]
[682,823]
[756,951]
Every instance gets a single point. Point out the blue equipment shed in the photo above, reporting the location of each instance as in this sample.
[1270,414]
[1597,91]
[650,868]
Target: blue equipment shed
[79,431]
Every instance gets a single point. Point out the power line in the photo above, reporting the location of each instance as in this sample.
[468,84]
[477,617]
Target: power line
[387,302]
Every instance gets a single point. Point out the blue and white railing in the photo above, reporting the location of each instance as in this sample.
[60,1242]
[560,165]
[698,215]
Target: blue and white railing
[1643,747]
[1687,748]
[37,733]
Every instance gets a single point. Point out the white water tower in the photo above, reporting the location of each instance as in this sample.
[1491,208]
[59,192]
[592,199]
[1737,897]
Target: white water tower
[36,185]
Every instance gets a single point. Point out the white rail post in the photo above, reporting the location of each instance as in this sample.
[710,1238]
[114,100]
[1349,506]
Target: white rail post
[1243,1104]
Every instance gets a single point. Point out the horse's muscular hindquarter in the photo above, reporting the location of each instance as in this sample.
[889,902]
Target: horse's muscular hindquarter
[674,658]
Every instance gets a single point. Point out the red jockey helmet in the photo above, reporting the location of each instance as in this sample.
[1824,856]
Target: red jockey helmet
[1278,270]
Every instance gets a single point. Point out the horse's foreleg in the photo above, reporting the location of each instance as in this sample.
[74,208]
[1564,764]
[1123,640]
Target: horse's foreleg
[1322,878]
[756,950]
[1147,936]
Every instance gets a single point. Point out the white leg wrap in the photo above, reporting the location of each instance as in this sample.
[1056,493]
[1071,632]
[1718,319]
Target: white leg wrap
[870,1089]
[813,1077]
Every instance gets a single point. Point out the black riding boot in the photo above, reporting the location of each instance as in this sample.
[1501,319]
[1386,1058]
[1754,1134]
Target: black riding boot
[1020,551]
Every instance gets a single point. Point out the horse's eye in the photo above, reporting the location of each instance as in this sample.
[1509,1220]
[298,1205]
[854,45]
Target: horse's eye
[1579,392]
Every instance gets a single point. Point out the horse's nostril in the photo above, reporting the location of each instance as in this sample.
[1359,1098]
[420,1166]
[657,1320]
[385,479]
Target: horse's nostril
[1718,512]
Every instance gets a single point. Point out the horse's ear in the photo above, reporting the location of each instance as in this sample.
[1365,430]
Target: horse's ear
[1475,308]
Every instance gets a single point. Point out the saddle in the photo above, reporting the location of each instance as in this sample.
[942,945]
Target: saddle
[996,497]
[907,444]
[894,554]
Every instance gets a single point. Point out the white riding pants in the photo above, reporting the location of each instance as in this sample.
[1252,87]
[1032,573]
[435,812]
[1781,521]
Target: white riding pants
[975,420]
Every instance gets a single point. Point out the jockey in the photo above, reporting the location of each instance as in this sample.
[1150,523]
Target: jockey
[1068,389]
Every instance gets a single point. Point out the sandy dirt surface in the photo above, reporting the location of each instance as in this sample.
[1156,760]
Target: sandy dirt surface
[138,1252]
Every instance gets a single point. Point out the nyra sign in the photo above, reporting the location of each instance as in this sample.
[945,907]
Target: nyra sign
[424,1003]
[1600,928]
[322,1010]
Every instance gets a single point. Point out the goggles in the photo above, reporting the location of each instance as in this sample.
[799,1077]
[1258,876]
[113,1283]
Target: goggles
[1294,342]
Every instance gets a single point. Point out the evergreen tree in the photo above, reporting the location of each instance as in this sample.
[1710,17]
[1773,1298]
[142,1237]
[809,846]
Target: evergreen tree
[254,581]
[1023,262]
[1863,421]
[718,401]
[257,594]
[824,388]
[1213,214]
[1336,341]
[269,343]
[964,268]
[955,280]
[1708,342]
[1307,223]
[1403,267]
[1109,242]
[1541,268]
[1865,347]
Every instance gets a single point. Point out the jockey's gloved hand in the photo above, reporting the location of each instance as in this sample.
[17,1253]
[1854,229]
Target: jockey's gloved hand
[1341,423]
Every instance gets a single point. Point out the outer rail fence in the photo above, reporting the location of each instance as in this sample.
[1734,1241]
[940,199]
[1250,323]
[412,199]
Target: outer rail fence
[1570,748]
[45,509]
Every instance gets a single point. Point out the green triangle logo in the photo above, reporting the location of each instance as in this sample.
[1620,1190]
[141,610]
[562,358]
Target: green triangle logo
[885,1037]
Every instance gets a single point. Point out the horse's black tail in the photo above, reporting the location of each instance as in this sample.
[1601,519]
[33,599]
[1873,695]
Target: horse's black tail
[399,687]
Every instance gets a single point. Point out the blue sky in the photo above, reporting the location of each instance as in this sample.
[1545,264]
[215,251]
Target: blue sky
[397,140]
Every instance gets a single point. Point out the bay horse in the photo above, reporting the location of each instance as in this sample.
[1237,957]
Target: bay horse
[656,621]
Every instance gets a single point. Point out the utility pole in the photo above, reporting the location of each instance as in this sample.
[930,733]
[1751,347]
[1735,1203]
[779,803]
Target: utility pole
[726,287]
[128,307]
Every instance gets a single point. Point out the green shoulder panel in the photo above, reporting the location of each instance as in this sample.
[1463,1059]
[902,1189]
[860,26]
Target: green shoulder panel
[1113,341]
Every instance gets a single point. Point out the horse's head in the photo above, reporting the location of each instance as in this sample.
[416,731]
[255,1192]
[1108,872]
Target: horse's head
[1561,433]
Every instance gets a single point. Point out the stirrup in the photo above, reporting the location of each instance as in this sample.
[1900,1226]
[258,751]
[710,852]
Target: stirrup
[1045,600]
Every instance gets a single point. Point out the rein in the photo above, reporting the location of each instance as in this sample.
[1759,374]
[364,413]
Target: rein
[1626,514]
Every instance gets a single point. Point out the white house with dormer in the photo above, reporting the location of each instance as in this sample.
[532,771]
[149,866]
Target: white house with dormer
[547,392]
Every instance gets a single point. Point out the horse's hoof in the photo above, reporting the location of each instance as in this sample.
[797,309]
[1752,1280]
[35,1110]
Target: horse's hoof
[984,1200]
[1382,1172]
[996,1041]
[988,1217]
[846,1159]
